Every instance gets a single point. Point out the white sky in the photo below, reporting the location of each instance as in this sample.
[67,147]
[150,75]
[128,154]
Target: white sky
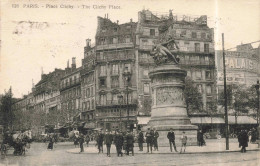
[23,54]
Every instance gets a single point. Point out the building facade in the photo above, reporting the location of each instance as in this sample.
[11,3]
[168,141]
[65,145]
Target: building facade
[70,94]
[116,82]
[87,75]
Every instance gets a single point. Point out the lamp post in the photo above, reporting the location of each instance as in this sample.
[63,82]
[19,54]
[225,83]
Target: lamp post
[257,91]
[120,99]
[127,80]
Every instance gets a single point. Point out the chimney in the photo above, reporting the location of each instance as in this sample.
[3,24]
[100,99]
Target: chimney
[107,15]
[73,64]
[88,43]
[68,63]
[117,22]
[131,20]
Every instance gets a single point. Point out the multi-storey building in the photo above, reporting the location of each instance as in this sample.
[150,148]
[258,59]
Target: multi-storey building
[70,93]
[196,52]
[242,66]
[49,84]
[116,83]
[87,75]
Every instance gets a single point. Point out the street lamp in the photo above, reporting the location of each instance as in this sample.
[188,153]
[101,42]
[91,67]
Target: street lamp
[257,91]
[120,99]
[127,80]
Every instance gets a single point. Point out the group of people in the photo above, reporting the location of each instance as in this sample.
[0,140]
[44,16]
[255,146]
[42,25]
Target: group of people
[151,139]
[152,136]
[121,140]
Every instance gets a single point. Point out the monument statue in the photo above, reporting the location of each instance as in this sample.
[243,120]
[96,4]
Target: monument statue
[161,52]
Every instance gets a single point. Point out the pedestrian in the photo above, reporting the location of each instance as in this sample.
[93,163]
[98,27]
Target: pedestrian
[149,140]
[155,140]
[108,139]
[119,141]
[125,141]
[184,139]
[171,137]
[140,140]
[76,141]
[200,138]
[50,145]
[243,140]
[100,139]
[253,135]
[87,138]
[81,142]
[130,143]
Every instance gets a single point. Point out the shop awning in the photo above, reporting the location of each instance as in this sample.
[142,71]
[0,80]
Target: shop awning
[241,120]
[90,125]
[143,120]
[207,120]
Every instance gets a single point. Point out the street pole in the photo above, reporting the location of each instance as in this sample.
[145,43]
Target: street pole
[225,95]
[127,123]
[258,103]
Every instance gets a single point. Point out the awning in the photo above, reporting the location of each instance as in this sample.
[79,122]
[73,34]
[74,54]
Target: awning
[207,120]
[241,120]
[90,125]
[143,120]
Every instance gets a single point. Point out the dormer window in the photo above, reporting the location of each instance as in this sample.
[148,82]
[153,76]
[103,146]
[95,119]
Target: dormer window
[115,29]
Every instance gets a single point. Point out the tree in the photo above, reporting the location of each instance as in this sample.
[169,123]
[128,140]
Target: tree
[6,110]
[193,97]
[240,98]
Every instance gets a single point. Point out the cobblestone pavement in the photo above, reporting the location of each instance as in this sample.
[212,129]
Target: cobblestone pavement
[38,155]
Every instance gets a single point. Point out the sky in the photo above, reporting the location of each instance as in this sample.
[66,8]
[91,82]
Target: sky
[42,35]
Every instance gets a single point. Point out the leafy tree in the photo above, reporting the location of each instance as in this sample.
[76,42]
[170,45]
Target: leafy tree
[6,110]
[193,97]
[240,98]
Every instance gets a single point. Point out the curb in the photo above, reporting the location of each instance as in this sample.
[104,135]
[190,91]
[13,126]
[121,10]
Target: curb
[231,151]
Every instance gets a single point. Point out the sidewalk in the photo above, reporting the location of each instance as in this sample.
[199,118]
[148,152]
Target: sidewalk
[212,146]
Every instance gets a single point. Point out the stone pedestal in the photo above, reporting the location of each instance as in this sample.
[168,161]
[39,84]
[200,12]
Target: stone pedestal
[168,107]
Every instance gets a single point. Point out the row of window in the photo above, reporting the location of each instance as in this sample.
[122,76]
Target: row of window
[208,89]
[114,82]
[114,54]
[89,92]
[114,69]
[70,81]
[115,99]
[197,74]
[86,106]
[114,40]
[73,104]
[71,93]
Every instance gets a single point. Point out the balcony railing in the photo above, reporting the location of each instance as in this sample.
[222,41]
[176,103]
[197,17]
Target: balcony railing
[70,84]
[117,103]
[183,49]
[115,57]
[114,46]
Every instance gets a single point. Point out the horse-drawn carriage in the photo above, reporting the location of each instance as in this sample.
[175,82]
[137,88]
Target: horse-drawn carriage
[18,141]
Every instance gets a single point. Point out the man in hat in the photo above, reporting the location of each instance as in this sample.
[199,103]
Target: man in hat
[108,139]
[149,140]
[129,143]
[119,141]
[155,142]
[140,140]
[81,141]
[171,137]
[100,138]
